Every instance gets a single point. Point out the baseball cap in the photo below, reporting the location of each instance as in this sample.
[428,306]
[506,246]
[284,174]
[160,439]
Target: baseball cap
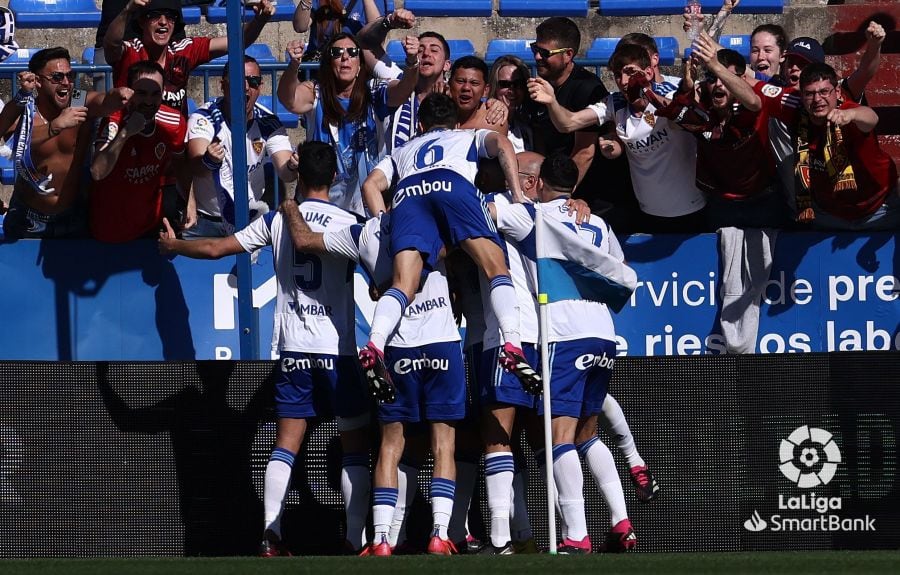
[807,48]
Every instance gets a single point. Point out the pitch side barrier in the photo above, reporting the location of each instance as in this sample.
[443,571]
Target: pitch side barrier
[86,301]
[753,452]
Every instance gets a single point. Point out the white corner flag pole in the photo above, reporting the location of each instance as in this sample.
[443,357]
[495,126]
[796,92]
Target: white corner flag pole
[545,373]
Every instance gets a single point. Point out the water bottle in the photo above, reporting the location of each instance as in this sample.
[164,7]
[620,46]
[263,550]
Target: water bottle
[695,18]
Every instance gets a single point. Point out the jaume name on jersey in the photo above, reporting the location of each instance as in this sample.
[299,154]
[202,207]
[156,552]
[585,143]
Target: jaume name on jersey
[422,189]
[589,360]
[406,365]
[289,364]
[310,309]
[426,306]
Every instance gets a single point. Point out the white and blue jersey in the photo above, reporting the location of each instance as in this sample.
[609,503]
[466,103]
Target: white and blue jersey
[314,305]
[358,145]
[581,333]
[436,203]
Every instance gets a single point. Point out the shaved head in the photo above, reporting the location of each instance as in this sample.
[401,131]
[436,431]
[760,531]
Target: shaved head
[529,171]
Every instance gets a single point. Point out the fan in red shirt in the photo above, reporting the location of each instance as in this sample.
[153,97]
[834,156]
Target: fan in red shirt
[132,159]
[844,179]
[161,39]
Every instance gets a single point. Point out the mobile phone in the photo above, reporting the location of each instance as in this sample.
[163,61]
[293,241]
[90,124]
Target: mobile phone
[78,98]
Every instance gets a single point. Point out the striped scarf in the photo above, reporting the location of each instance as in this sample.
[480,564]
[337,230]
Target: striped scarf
[837,165]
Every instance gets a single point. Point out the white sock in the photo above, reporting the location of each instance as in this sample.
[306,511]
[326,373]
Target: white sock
[498,481]
[275,486]
[388,312]
[384,499]
[562,530]
[406,492]
[466,476]
[519,524]
[613,421]
[355,486]
[570,485]
[603,468]
[442,494]
[505,305]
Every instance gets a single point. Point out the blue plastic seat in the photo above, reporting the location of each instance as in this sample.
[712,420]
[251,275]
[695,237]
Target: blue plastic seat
[262,53]
[509,47]
[668,49]
[602,49]
[543,8]
[7,171]
[18,60]
[450,7]
[191,14]
[87,55]
[458,49]
[56,14]
[664,7]
[288,118]
[740,44]
[216,14]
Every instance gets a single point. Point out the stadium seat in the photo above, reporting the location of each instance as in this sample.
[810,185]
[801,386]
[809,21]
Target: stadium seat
[7,171]
[449,7]
[217,13]
[55,13]
[664,7]
[516,47]
[87,55]
[289,119]
[191,14]
[543,8]
[262,53]
[458,49]
[602,49]
[17,60]
[740,44]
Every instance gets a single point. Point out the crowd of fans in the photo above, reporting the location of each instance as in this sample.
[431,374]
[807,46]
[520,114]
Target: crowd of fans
[779,141]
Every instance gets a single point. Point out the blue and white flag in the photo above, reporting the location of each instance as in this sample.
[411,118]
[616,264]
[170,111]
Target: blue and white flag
[580,269]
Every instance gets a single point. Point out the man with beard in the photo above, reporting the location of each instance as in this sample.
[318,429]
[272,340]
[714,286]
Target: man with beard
[734,164]
[132,157]
[662,160]
[50,146]
[160,28]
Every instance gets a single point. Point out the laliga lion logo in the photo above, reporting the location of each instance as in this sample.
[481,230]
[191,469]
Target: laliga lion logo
[813,444]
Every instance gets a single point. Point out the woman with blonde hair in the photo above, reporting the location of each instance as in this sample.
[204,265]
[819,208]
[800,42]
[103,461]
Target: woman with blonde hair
[507,79]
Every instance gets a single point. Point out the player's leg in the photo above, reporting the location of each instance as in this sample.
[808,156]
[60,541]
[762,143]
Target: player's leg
[489,257]
[407,482]
[443,486]
[356,482]
[468,454]
[569,486]
[499,469]
[384,493]
[613,421]
[277,480]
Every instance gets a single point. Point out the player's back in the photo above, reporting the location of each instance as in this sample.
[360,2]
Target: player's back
[454,150]
[315,311]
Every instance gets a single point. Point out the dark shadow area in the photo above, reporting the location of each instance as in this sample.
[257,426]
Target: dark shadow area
[841,43]
[75,275]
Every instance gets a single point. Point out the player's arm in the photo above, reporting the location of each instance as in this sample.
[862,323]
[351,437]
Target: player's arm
[583,151]
[202,249]
[100,104]
[869,62]
[376,184]
[297,96]
[498,146]
[564,120]
[706,48]
[302,236]
[114,39]
[263,12]
[106,153]
[285,165]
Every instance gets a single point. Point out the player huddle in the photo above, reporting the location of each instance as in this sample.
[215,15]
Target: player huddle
[450,245]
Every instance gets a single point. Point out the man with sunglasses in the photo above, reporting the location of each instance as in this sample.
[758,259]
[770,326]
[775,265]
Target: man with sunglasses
[50,146]
[209,153]
[160,38]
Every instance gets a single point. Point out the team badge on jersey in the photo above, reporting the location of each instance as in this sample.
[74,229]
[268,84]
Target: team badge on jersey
[771,90]
[650,118]
[159,150]
[258,146]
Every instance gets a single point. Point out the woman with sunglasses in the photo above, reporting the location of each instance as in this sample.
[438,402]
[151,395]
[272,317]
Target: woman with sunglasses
[507,79]
[323,19]
[344,109]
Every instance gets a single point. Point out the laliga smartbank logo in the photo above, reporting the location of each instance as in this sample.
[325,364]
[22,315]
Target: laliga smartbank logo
[809,458]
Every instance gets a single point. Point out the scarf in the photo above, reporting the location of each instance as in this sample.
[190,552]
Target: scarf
[837,165]
[24,165]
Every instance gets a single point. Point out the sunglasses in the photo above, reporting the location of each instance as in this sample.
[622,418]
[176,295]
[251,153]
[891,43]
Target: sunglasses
[157,14]
[336,52]
[543,52]
[58,77]
[253,81]
[508,84]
